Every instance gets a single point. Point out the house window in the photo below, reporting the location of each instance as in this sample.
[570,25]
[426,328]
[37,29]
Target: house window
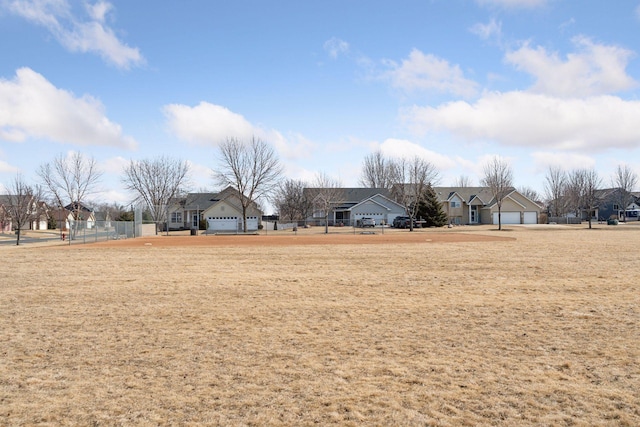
[455,204]
[176,217]
[616,207]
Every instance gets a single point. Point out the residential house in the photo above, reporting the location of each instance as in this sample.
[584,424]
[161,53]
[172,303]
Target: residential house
[611,205]
[353,204]
[85,214]
[221,211]
[476,205]
[38,216]
[5,219]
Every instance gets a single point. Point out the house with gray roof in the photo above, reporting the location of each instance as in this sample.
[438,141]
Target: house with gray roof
[353,204]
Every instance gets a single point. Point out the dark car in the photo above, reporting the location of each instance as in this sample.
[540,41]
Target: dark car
[402,222]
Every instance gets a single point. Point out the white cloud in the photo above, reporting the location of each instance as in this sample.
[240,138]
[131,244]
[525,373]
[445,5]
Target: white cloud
[401,148]
[567,161]
[7,168]
[534,120]
[422,72]
[209,124]
[77,34]
[336,47]
[31,107]
[487,31]
[595,69]
[114,165]
[513,3]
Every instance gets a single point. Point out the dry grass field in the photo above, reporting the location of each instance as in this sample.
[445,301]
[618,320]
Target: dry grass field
[452,327]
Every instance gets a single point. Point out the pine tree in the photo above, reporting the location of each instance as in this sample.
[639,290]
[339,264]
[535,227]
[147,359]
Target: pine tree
[430,210]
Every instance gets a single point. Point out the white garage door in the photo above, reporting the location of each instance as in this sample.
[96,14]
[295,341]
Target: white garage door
[530,218]
[507,217]
[225,223]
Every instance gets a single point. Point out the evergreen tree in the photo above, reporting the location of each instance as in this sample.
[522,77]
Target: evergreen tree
[430,209]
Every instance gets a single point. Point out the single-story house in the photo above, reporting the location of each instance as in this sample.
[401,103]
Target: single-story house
[221,211]
[476,205]
[353,204]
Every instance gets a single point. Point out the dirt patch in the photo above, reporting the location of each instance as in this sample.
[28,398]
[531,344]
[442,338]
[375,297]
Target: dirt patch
[302,240]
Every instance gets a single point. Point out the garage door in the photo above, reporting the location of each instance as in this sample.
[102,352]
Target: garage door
[530,218]
[225,223]
[507,217]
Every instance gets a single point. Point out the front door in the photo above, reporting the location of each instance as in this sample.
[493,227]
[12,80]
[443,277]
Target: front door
[474,215]
[195,221]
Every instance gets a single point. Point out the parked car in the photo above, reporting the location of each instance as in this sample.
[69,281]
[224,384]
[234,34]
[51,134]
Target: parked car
[367,222]
[402,222]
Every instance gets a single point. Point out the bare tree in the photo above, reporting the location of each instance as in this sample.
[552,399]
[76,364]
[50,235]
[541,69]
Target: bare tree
[574,192]
[555,187]
[21,204]
[592,183]
[413,178]
[71,181]
[498,176]
[291,201]
[624,180]
[529,193]
[155,182]
[326,194]
[462,181]
[252,168]
[582,187]
[377,171]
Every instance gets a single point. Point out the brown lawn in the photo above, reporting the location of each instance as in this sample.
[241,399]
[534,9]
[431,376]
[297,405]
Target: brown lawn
[467,326]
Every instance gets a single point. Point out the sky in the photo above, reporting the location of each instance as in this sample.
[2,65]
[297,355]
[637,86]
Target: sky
[539,83]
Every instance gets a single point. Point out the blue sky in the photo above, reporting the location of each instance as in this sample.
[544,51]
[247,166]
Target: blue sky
[537,82]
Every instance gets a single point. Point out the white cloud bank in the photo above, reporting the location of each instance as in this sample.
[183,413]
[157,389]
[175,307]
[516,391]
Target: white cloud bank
[595,69]
[527,119]
[209,124]
[75,33]
[569,107]
[32,107]
[425,72]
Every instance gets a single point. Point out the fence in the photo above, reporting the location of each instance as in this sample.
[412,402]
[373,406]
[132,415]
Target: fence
[563,220]
[99,231]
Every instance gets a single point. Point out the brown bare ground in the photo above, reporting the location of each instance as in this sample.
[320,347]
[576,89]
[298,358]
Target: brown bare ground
[468,326]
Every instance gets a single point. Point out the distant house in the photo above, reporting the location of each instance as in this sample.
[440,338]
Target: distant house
[38,221]
[476,205]
[85,214]
[221,212]
[353,204]
[611,205]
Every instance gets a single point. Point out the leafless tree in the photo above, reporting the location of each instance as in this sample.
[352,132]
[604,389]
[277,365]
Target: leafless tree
[377,171]
[462,181]
[529,193]
[555,187]
[291,201]
[155,182]
[413,178]
[624,180]
[252,168]
[22,204]
[325,195]
[574,192]
[583,186]
[70,181]
[592,183]
[498,176]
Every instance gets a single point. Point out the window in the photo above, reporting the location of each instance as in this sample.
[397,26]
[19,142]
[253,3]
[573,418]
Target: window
[176,217]
[455,203]
[616,207]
